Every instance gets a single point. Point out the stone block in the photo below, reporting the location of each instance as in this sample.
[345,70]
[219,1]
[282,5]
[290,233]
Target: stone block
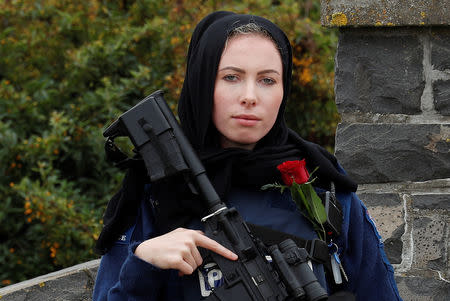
[386,210]
[381,153]
[379,71]
[440,49]
[393,246]
[384,13]
[422,289]
[431,201]
[430,238]
[441,93]
[388,220]
[380,199]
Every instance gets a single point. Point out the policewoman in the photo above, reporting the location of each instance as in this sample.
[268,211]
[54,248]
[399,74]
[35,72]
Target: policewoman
[231,109]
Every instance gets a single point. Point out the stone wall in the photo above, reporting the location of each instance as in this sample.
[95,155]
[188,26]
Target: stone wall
[72,284]
[392,89]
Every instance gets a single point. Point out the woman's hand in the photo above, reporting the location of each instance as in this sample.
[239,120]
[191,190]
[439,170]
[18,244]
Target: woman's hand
[178,250]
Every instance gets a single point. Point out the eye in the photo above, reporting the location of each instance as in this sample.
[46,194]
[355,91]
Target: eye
[268,81]
[230,78]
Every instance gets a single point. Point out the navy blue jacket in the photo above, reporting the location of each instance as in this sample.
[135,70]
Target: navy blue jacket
[123,276]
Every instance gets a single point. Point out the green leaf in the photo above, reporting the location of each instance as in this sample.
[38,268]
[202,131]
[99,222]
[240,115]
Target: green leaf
[317,208]
[267,186]
[276,185]
[300,198]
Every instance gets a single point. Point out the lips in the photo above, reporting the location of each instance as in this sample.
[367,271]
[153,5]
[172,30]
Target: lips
[246,119]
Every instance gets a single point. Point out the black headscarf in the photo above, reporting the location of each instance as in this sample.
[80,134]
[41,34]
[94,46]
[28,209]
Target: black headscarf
[225,167]
[205,50]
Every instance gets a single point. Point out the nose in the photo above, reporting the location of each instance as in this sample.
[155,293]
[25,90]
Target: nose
[249,97]
[248,102]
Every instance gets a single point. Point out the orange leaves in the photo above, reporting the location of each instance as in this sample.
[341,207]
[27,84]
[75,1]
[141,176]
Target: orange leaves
[303,70]
[53,249]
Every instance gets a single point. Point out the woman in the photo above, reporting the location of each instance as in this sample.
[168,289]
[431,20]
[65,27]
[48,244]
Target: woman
[231,109]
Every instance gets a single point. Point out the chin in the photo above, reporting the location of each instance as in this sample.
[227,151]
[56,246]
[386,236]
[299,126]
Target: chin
[247,144]
[247,140]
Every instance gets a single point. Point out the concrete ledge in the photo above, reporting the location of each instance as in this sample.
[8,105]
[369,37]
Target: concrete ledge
[346,13]
[73,283]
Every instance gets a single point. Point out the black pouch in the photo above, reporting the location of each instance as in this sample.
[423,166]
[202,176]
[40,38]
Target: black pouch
[333,208]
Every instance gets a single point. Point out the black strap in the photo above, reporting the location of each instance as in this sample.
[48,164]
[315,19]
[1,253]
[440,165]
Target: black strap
[342,296]
[317,249]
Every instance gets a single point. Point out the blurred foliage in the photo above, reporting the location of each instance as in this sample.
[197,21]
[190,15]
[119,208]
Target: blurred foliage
[68,68]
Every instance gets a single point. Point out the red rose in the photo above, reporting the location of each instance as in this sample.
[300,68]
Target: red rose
[293,171]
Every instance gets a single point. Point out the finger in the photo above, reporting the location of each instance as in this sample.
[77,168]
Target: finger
[197,257]
[210,244]
[193,251]
[184,268]
[189,259]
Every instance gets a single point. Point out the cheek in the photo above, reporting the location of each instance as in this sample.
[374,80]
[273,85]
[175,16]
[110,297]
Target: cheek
[274,106]
[216,117]
[218,111]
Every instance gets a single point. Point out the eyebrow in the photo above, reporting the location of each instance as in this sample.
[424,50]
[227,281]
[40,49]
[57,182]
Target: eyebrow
[243,71]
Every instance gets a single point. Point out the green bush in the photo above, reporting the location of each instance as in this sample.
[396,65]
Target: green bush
[69,68]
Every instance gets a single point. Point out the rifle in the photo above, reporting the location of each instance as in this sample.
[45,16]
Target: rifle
[276,272]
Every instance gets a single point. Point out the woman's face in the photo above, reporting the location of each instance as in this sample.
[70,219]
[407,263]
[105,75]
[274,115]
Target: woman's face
[248,90]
